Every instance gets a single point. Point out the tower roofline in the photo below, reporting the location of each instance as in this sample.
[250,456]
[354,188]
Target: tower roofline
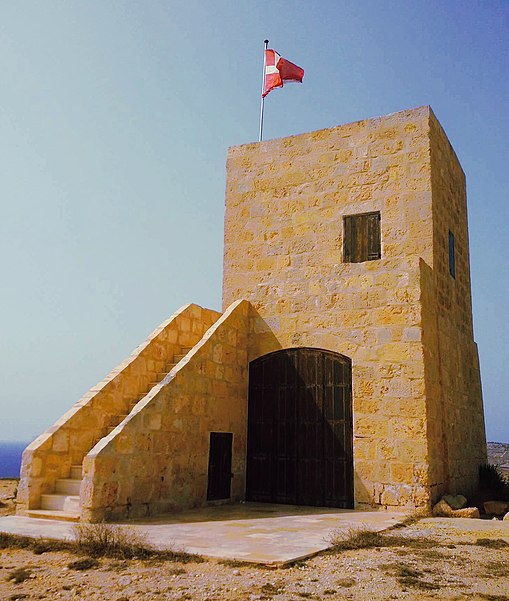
[425,110]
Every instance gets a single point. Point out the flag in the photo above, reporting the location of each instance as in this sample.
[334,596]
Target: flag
[278,70]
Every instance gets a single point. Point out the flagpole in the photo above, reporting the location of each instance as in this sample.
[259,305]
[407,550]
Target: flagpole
[262,103]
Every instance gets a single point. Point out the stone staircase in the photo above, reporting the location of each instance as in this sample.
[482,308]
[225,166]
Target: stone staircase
[64,502]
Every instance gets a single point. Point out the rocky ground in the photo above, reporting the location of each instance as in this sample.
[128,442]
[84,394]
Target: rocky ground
[498,454]
[8,489]
[424,561]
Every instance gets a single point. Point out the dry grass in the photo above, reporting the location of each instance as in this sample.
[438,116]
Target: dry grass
[19,575]
[492,543]
[346,582]
[232,563]
[364,538]
[87,563]
[122,542]
[496,569]
[410,577]
[37,545]
[355,538]
[269,588]
[110,540]
[11,541]
[411,519]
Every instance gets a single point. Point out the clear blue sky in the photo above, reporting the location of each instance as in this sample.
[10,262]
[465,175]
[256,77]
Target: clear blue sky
[115,118]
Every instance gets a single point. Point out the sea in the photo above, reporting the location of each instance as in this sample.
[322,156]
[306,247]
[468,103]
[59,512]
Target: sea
[10,458]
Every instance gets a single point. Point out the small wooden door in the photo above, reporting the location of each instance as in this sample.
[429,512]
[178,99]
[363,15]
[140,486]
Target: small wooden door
[220,466]
[300,447]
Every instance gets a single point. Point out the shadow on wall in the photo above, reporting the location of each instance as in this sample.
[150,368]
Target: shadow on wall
[262,339]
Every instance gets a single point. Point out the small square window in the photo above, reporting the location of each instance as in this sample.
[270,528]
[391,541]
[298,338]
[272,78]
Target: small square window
[452,255]
[361,237]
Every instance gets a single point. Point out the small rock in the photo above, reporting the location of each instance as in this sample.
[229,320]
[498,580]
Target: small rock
[455,502]
[124,581]
[236,572]
[496,507]
[506,517]
[466,512]
[443,509]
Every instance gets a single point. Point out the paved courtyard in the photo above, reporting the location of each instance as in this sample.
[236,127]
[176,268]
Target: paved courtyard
[252,532]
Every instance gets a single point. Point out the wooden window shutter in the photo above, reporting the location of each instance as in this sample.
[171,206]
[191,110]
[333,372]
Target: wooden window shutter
[373,233]
[361,240]
[347,239]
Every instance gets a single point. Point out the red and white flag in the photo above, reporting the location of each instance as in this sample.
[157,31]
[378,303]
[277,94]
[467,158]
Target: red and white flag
[278,70]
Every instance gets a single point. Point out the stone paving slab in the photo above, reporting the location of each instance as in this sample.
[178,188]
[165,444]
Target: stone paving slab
[251,532]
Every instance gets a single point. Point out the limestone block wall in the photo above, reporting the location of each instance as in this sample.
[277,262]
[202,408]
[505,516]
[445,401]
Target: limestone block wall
[157,460]
[285,200]
[462,446]
[64,444]
[285,204]
[378,324]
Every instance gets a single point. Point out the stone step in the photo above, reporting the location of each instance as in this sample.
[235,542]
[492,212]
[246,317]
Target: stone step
[53,514]
[76,472]
[160,376]
[68,486]
[185,349]
[68,503]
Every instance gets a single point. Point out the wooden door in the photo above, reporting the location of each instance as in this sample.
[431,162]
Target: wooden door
[220,466]
[300,429]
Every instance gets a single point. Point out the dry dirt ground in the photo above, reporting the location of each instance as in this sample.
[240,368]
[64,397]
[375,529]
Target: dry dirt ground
[440,563]
[8,490]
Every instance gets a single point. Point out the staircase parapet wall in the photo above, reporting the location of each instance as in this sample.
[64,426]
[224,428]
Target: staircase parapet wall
[51,455]
[156,460]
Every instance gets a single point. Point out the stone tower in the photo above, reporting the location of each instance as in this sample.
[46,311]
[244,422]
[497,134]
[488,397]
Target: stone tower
[342,370]
[354,240]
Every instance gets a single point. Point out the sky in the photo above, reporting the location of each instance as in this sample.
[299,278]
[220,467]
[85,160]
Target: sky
[115,119]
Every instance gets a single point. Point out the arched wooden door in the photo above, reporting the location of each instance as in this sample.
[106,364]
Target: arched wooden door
[299,448]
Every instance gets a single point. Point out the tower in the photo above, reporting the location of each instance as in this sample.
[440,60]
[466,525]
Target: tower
[353,240]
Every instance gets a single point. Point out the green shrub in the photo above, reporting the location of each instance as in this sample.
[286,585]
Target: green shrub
[493,481]
[491,477]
